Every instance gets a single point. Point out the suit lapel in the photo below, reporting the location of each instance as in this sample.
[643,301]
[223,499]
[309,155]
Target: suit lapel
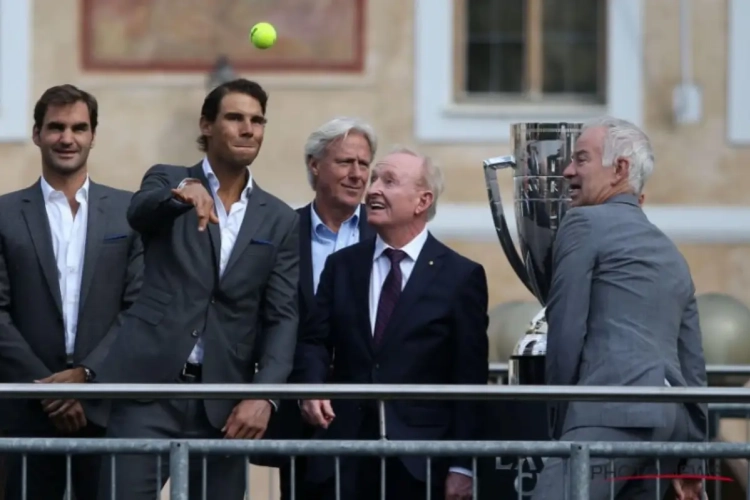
[427,267]
[95,228]
[35,215]
[214,231]
[251,222]
[306,282]
[361,273]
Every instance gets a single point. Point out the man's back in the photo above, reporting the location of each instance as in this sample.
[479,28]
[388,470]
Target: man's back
[640,298]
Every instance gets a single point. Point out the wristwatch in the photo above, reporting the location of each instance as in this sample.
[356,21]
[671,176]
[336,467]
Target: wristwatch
[88,374]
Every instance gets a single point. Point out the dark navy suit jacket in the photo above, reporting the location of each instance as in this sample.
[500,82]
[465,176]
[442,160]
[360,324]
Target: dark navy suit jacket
[436,335]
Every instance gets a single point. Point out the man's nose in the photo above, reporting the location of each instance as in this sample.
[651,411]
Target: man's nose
[570,171]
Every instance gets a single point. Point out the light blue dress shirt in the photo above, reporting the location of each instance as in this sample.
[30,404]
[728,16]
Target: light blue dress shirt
[325,241]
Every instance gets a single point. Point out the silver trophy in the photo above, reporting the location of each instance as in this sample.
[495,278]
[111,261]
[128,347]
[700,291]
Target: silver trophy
[541,153]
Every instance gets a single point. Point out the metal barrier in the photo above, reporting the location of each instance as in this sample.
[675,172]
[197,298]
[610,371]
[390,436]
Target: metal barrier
[179,451]
[501,370]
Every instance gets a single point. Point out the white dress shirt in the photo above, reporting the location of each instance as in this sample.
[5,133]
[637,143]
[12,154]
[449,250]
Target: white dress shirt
[381,266]
[230,222]
[68,231]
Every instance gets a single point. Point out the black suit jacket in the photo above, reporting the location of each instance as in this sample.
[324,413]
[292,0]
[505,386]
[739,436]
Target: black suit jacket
[437,335]
[184,298]
[32,333]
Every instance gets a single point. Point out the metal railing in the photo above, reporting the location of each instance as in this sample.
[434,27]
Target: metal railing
[180,451]
[501,370]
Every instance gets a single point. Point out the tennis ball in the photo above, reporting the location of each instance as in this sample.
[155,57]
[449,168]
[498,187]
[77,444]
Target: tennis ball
[263,35]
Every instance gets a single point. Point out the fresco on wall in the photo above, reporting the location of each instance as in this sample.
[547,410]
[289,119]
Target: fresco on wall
[188,35]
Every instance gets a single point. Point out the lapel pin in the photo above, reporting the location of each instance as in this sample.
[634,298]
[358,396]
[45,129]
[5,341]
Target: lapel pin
[431,262]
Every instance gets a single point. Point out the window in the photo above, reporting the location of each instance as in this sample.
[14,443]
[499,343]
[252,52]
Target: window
[738,73]
[482,65]
[15,76]
[532,49]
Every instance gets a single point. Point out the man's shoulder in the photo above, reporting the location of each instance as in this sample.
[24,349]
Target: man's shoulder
[360,252]
[455,260]
[280,207]
[171,171]
[10,199]
[117,194]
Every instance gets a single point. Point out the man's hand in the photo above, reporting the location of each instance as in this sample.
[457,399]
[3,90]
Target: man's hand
[56,407]
[458,486]
[318,412]
[688,489]
[70,418]
[248,420]
[195,194]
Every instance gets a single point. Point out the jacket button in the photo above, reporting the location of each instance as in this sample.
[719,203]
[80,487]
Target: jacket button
[194,334]
[213,300]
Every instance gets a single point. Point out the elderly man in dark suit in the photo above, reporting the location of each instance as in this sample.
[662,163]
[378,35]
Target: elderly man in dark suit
[69,266]
[400,308]
[222,269]
[621,312]
[338,156]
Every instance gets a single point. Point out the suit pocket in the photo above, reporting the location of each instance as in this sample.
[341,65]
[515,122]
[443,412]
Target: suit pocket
[151,305]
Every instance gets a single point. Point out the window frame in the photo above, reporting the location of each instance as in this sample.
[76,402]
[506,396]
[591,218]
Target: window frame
[15,71]
[439,118]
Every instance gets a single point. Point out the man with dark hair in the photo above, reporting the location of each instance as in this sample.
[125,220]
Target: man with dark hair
[69,265]
[221,272]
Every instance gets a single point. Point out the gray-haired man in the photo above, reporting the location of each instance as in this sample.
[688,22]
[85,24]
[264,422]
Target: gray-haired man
[337,159]
[621,312]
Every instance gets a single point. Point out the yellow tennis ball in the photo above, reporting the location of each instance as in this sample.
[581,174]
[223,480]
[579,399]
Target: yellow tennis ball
[263,35]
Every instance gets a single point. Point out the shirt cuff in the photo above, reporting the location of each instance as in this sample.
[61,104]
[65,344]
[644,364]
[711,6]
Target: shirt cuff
[461,470]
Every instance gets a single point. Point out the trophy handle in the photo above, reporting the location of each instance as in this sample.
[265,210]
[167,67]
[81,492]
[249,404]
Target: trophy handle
[491,166]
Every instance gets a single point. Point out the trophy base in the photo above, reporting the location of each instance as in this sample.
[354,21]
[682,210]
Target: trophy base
[526,370]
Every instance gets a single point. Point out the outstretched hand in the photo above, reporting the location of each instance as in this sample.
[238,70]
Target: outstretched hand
[194,193]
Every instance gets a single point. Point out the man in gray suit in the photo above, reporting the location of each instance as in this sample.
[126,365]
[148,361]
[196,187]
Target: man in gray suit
[621,312]
[69,265]
[222,259]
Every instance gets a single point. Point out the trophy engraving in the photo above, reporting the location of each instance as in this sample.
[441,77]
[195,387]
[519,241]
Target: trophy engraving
[541,151]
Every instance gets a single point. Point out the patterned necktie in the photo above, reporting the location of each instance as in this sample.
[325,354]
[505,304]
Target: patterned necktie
[390,292]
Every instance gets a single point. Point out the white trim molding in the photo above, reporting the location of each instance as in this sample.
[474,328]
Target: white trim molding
[738,73]
[15,69]
[684,224]
[438,119]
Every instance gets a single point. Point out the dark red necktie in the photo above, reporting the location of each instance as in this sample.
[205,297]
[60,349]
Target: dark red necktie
[389,294]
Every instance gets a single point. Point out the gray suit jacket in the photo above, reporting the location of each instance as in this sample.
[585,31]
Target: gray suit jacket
[183,297]
[621,312]
[32,335]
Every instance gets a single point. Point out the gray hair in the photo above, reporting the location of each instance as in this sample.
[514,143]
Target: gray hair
[338,128]
[623,139]
[432,176]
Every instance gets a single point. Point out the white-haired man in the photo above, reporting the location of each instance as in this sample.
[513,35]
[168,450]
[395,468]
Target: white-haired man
[400,308]
[337,160]
[621,312]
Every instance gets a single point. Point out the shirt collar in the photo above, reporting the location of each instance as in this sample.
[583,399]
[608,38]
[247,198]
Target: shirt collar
[81,195]
[213,181]
[317,222]
[412,249]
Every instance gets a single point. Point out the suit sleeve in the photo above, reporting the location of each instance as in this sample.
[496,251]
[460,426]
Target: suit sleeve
[693,367]
[18,362]
[312,359]
[567,311]
[154,206]
[280,312]
[134,280]
[471,362]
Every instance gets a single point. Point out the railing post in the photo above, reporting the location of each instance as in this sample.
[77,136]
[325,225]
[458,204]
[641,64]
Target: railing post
[179,464]
[579,472]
